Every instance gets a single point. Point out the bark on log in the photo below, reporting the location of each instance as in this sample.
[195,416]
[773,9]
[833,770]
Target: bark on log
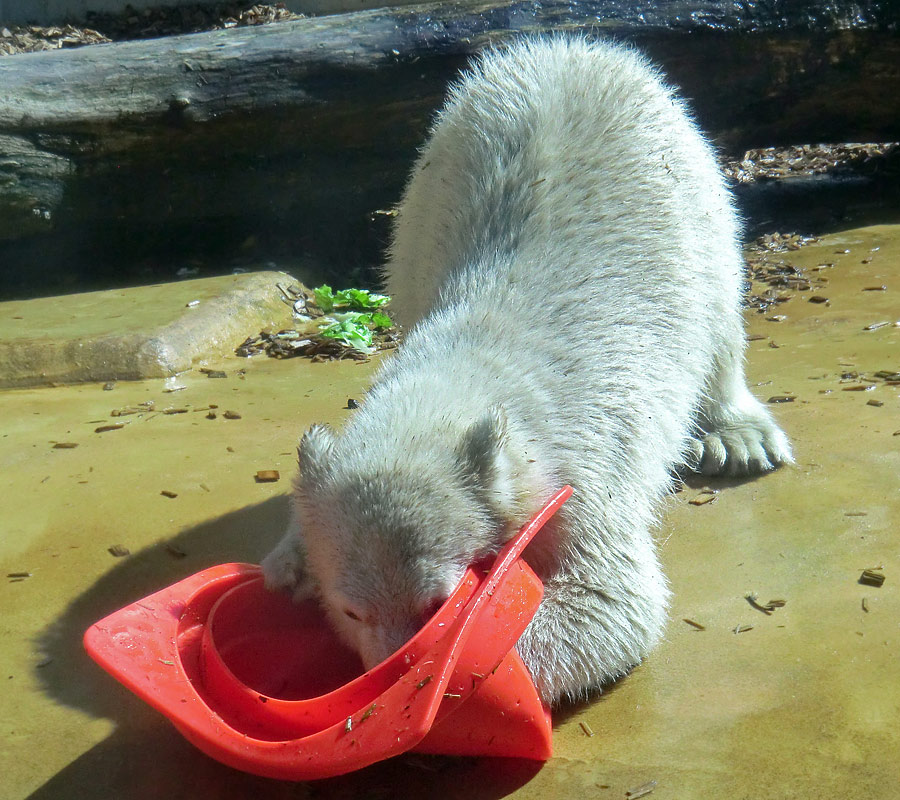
[308,126]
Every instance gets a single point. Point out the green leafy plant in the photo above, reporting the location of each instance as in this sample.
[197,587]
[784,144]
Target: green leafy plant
[351,299]
[356,325]
[352,332]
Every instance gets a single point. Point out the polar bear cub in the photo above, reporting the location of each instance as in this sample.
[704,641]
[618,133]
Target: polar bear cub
[566,258]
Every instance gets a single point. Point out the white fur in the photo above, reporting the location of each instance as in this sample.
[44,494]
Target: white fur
[567,254]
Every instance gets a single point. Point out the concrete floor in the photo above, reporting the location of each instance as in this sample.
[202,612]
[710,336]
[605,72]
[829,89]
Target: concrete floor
[802,704]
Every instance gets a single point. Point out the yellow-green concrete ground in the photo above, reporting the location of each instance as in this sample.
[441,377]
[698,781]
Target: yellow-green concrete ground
[802,702]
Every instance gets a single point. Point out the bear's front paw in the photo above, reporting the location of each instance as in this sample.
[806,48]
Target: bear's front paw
[283,567]
[747,447]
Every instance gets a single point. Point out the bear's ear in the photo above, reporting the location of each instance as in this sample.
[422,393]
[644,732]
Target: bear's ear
[314,453]
[483,443]
[485,461]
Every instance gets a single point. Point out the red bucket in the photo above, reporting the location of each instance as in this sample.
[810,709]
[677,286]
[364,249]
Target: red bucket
[263,684]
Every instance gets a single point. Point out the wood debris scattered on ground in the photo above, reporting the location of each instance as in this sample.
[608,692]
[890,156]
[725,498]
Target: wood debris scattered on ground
[33,38]
[807,159]
[148,23]
[705,496]
[765,608]
[290,344]
[768,266]
[114,427]
[641,791]
[872,577]
[308,339]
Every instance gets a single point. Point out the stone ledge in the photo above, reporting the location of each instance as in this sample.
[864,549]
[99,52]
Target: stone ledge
[130,334]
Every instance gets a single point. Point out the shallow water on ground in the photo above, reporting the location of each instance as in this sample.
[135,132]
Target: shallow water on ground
[801,702]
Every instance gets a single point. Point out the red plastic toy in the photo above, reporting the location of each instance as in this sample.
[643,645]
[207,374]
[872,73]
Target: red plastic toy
[262,684]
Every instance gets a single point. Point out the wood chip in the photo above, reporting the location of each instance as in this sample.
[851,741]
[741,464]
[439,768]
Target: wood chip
[751,598]
[876,403]
[702,499]
[817,298]
[870,577]
[18,576]
[167,493]
[114,427]
[65,445]
[231,415]
[864,604]
[881,288]
[781,398]
[119,551]
[867,387]
[267,476]
[586,728]
[175,411]
[695,625]
[741,628]
[875,326]
[216,373]
[641,791]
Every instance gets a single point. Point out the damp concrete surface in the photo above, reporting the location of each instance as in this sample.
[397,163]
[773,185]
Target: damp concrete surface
[800,702]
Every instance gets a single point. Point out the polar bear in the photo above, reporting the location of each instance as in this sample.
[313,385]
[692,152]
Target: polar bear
[566,258]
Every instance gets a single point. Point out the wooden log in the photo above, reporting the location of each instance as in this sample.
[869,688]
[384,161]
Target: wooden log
[301,63]
[303,128]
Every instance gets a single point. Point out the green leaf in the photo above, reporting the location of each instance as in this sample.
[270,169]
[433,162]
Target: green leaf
[353,332]
[359,299]
[353,299]
[324,297]
[381,320]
